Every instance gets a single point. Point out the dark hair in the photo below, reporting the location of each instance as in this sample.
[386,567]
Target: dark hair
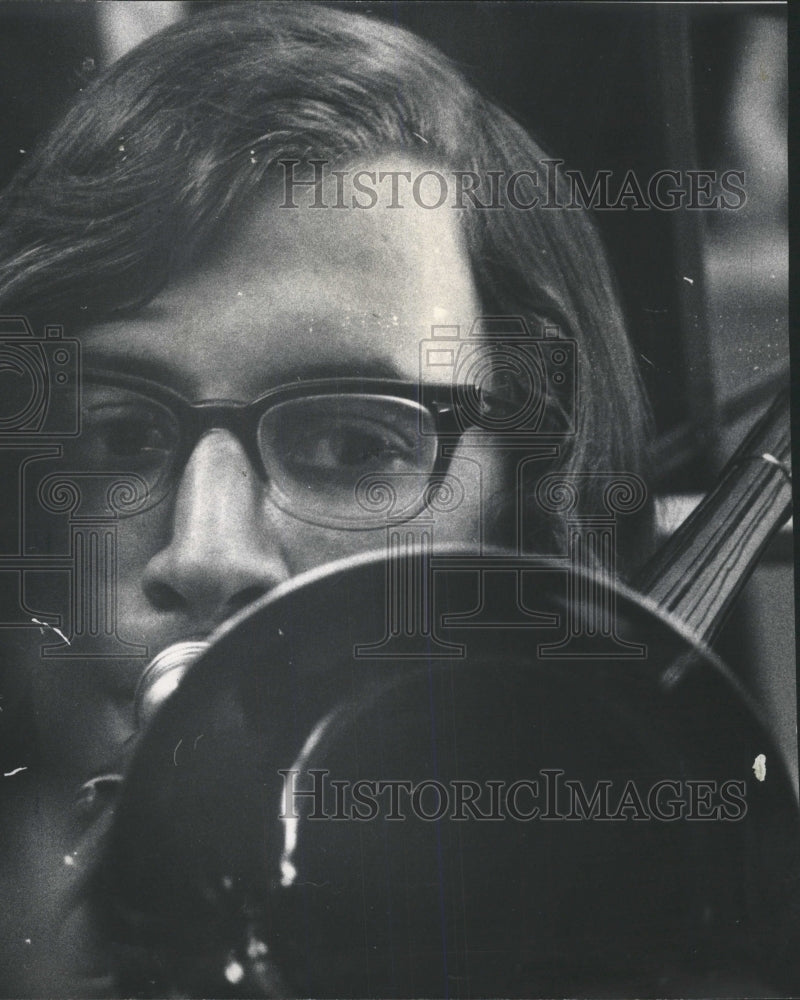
[157,154]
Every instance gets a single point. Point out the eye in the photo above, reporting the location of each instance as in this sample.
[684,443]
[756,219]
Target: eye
[130,436]
[348,446]
[319,448]
[121,431]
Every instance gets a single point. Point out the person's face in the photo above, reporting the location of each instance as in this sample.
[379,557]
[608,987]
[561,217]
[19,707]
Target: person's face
[288,295]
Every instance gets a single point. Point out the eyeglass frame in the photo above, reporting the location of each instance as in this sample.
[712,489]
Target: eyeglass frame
[443,401]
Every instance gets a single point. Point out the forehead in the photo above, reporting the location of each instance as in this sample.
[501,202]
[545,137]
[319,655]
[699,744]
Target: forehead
[296,292]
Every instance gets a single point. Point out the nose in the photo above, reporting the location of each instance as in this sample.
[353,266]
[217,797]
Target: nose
[224,551]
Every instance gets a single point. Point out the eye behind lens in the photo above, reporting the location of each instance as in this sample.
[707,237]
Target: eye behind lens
[349,460]
[119,463]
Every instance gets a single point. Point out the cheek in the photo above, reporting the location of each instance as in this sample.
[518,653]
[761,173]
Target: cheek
[307,546]
[302,546]
[460,513]
[462,508]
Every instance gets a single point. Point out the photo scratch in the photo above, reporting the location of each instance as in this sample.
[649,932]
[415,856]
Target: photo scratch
[53,628]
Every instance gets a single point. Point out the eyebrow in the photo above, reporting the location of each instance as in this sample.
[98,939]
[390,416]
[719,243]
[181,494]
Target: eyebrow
[346,368]
[156,370]
[175,376]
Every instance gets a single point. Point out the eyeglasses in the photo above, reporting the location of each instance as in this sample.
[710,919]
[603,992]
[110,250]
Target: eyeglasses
[350,453]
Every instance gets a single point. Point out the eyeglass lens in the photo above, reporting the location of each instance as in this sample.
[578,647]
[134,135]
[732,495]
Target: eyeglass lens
[339,458]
